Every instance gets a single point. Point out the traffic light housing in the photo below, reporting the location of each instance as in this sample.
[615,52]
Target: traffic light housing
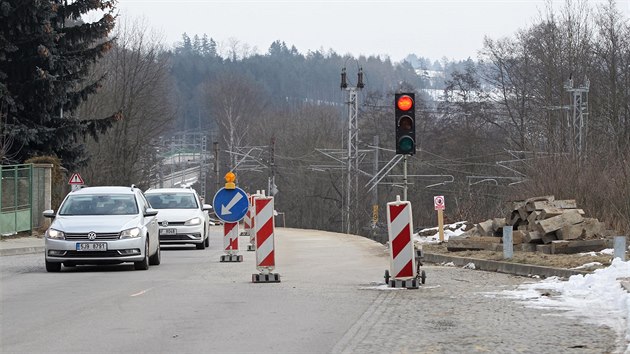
[405,108]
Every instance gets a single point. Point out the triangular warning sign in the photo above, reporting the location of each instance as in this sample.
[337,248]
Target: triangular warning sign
[76,179]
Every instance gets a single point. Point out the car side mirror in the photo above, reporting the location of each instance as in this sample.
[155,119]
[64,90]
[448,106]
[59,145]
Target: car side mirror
[49,213]
[206,207]
[150,212]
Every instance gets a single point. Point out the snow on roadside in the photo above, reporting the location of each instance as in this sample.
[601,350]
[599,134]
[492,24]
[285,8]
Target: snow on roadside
[450,230]
[597,298]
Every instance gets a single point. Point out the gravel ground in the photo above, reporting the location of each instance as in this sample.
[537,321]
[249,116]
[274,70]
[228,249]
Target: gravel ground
[566,261]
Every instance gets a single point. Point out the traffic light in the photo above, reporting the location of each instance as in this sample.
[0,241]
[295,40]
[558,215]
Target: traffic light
[405,109]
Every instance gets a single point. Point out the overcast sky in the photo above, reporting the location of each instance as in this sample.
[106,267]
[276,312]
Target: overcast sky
[430,28]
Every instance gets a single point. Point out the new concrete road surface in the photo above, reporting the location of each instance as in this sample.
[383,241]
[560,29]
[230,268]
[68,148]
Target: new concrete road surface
[326,303]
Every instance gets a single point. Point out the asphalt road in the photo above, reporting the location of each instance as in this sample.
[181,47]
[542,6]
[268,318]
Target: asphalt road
[326,302]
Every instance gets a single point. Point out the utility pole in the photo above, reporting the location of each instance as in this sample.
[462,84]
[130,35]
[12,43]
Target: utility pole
[203,168]
[578,117]
[272,167]
[375,193]
[215,147]
[352,167]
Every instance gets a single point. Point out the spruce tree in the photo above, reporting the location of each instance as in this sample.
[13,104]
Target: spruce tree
[46,52]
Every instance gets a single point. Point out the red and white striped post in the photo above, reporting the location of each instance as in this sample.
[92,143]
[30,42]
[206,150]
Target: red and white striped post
[402,252]
[264,227]
[230,243]
[247,219]
[251,212]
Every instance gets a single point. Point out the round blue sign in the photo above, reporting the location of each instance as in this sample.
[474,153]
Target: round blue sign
[230,205]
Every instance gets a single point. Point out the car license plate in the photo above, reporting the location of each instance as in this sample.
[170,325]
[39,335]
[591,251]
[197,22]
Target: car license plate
[168,231]
[92,246]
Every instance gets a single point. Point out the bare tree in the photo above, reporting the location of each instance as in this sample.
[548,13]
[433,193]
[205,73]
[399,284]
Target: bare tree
[611,80]
[509,71]
[137,80]
[237,103]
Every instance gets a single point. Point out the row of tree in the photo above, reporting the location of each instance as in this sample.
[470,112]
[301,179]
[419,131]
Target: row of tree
[500,131]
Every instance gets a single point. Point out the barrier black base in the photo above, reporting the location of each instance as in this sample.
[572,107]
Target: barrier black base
[231,258]
[266,278]
[409,284]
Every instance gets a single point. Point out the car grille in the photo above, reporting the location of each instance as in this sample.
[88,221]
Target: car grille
[100,236]
[174,223]
[180,237]
[99,254]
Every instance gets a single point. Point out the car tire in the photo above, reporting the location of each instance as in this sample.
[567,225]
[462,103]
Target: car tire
[156,259]
[202,245]
[143,264]
[207,241]
[53,266]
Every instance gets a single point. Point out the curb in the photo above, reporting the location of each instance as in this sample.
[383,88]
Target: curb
[20,251]
[526,270]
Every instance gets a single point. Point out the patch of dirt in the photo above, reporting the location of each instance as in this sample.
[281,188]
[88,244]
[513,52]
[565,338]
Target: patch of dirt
[565,261]
[21,235]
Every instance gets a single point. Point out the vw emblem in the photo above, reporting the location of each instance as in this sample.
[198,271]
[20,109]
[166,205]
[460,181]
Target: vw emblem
[165,223]
[92,235]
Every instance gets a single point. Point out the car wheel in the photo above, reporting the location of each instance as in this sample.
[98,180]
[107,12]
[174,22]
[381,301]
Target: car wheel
[143,264]
[203,244]
[156,258]
[207,241]
[53,266]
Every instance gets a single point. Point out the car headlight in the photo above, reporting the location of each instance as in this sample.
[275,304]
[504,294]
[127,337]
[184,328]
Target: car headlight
[193,221]
[130,233]
[56,234]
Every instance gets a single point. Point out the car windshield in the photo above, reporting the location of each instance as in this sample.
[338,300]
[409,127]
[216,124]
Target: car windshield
[172,200]
[99,204]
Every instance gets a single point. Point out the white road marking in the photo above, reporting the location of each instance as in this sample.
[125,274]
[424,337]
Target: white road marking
[140,293]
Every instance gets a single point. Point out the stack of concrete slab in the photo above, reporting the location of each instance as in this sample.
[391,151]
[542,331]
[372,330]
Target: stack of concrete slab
[541,224]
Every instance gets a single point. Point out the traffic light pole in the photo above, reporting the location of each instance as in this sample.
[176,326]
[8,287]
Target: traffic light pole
[405,178]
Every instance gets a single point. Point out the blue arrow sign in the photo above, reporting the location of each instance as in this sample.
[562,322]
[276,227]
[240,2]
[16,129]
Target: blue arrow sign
[230,205]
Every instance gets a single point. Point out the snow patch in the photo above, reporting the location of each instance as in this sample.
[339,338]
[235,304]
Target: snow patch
[470,265]
[596,298]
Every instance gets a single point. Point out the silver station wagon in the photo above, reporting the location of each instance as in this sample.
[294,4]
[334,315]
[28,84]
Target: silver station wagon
[102,225]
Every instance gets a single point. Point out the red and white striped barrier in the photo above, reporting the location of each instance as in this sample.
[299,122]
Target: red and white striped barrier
[252,212]
[402,252]
[230,243]
[264,227]
[247,220]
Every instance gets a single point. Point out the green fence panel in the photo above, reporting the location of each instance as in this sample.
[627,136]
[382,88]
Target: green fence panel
[16,199]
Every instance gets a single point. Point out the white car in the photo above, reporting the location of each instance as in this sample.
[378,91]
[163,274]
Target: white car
[102,225]
[183,219]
